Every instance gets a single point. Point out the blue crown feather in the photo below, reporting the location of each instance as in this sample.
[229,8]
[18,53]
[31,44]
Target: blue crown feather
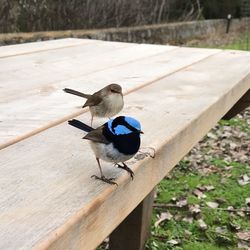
[110,125]
[122,130]
[118,126]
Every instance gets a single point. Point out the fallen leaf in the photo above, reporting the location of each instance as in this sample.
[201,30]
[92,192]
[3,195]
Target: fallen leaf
[243,245]
[155,244]
[212,204]
[163,216]
[174,199]
[241,213]
[212,136]
[230,208]
[233,145]
[199,194]
[244,180]
[182,203]
[247,202]
[234,226]
[168,177]
[188,219]
[228,168]
[201,188]
[177,217]
[209,188]
[202,225]
[244,235]
[195,211]
[173,242]
[227,175]
[221,230]
[187,232]
[223,180]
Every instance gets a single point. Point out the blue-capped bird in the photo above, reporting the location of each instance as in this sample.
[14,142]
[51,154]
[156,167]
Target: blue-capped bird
[116,141]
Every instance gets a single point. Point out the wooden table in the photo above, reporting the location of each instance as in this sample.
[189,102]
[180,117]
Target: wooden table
[48,200]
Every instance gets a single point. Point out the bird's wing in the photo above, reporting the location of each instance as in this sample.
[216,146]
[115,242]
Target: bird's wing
[97,136]
[93,100]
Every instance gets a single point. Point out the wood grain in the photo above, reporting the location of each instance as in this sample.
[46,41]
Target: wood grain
[49,201]
[32,102]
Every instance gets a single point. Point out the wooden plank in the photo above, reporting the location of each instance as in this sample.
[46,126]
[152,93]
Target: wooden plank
[49,201]
[133,232]
[58,55]
[48,105]
[36,71]
[26,48]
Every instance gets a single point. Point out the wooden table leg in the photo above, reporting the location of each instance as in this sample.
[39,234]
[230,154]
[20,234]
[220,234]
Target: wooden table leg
[133,232]
[243,103]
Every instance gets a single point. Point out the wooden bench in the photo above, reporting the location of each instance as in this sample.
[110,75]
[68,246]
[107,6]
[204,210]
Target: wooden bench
[48,200]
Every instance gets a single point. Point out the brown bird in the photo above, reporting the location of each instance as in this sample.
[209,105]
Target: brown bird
[106,102]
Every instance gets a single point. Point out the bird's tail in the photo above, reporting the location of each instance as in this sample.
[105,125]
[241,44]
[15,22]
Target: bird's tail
[74,92]
[80,125]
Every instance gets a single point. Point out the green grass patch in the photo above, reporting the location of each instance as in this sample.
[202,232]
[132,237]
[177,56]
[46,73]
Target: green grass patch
[189,235]
[236,123]
[242,44]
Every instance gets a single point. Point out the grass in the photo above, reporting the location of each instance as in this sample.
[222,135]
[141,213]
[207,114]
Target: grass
[242,44]
[236,122]
[226,41]
[222,225]
[188,234]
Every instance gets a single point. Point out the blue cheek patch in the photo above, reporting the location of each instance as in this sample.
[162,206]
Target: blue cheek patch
[122,130]
[110,125]
[133,122]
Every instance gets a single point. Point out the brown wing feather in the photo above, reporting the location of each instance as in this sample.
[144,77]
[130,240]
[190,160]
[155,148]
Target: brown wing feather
[97,136]
[93,100]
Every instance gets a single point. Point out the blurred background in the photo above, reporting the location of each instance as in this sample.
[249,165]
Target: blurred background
[206,23]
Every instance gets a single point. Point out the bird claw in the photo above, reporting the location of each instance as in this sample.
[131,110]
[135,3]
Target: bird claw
[104,179]
[125,167]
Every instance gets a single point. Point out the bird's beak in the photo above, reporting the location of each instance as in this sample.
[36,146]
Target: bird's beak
[141,132]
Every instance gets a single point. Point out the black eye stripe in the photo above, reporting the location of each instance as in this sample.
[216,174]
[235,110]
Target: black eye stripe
[121,121]
[130,127]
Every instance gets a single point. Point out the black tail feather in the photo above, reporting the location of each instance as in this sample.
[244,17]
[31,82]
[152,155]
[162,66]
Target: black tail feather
[80,125]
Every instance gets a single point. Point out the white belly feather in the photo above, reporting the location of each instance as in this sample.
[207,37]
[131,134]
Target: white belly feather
[108,153]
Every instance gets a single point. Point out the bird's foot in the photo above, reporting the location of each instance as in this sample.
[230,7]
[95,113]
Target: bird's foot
[104,179]
[125,167]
